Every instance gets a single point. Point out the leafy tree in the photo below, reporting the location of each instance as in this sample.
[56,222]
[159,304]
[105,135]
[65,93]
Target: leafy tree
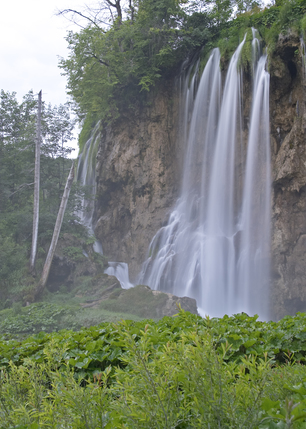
[107,67]
[17,144]
[125,47]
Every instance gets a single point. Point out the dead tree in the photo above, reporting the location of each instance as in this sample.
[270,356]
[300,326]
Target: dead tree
[36,187]
[56,232]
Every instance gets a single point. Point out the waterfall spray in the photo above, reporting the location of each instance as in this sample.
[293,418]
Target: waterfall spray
[215,247]
[86,176]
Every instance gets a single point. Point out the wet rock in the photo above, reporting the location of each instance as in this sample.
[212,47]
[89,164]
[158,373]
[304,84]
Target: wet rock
[140,301]
[137,171]
[73,260]
[139,165]
[288,125]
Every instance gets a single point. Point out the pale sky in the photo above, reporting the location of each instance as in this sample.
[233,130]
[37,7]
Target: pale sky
[31,39]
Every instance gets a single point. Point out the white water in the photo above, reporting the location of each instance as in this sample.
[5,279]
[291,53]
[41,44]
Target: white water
[215,247]
[86,176]
[121,271]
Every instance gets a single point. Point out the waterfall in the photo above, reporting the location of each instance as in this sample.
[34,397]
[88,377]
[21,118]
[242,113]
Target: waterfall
[121,271]
[253,263]
[86,177]
[303,52]
[215,247]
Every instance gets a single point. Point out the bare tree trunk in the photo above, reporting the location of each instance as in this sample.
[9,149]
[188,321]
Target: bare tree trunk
[56,232]
[36,187]
[132,10]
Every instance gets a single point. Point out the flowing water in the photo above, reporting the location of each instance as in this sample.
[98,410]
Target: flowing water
[215,247]
[303,56]
[121,271]
[86,177]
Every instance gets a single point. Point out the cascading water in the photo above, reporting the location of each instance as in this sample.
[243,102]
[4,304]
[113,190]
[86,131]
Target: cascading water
[215,247]
[121,271]
[86,176]
[303,56]
[253,263]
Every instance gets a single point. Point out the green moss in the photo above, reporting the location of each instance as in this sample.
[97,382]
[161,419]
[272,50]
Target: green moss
[88,125]
[245,61]
[138,301]
[74,253]
[37,317]
[303,25]
[54,316]
[204,57]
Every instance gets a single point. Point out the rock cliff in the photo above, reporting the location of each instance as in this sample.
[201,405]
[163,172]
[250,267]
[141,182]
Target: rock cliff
[288,141]
[137,171]
[139,164]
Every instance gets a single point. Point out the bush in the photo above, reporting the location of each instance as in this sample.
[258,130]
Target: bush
[175,377]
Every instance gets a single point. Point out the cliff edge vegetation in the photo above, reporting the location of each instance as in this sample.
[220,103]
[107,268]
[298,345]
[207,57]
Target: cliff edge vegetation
[124,50]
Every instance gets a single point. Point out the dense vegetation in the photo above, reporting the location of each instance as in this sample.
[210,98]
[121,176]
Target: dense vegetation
[17,154]
[125,49]
[180,372]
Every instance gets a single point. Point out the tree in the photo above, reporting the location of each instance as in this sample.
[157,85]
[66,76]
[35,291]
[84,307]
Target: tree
[109,65]
[17,154]
[102,15]
[36,186]
[56,232]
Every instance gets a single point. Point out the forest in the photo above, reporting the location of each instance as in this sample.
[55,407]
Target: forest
[111,68]
[61,367]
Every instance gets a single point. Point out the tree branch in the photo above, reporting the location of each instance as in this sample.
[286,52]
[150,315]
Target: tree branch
[20,187]
[132,10]
[100,61]
[117,6]
[66,11]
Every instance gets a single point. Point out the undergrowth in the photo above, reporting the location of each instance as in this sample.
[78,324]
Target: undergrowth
[179,372]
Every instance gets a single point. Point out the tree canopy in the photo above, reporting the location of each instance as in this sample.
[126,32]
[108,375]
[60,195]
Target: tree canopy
[112,62]
[124,47]
[17,147]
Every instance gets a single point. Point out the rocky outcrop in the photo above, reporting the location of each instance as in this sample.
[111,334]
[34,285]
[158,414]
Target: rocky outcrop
[137,172]
[74,259]
[288,139]
[139,301]
[138,176]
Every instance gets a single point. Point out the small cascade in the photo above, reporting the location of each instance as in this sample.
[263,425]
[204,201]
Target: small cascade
[255,50]
[121,271]
[86,176]
[215,246]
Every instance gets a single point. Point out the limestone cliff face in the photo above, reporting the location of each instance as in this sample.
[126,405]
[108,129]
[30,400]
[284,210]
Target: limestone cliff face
[288,140]
[138,172]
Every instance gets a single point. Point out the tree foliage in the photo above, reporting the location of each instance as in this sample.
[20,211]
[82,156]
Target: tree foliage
[179,372]
[125,47]
[17,153]
[108,67]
